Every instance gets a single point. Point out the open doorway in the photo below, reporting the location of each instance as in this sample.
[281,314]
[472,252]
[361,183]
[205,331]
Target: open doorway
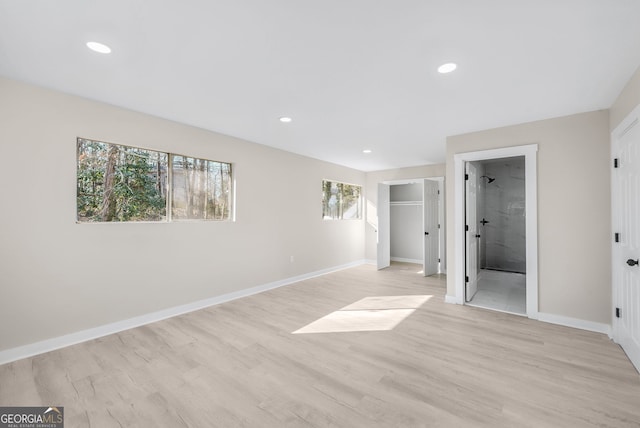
[458,270]
[411,224]
[495,212]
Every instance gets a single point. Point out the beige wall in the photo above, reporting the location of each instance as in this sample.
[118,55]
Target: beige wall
[574,239]
[371,199]
[628,99]
[59,277]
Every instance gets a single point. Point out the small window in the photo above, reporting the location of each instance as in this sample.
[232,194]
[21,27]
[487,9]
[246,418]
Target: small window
[119,183]
[201,189]
[341,201]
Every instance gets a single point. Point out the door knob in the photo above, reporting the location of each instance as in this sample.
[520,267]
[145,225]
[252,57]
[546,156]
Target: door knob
[426,233]
[632,262]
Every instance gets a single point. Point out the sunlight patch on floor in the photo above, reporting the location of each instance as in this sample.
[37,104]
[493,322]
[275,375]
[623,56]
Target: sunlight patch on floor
[379,313]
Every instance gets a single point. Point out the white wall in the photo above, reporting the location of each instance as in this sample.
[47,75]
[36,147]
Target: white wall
[574,241]
[59,277]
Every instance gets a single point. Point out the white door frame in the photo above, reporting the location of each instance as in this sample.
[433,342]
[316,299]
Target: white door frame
[531,211]
[442,218]
[383,235]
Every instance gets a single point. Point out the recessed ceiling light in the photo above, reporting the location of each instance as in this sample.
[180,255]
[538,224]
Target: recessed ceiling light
[285,119]
[447,68]
[99,47]
[366,151]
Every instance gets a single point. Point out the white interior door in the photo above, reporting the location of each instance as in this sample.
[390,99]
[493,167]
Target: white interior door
[430,219]
[442,229]
[471,227]
[626,224]
[384,226]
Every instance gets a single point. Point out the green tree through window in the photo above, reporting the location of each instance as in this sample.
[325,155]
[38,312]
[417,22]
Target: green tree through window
[118,183]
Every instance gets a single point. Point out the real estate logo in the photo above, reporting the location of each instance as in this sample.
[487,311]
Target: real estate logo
[31,417]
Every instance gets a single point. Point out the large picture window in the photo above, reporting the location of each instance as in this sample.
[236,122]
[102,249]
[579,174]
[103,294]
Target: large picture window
[341,201]
[117,183]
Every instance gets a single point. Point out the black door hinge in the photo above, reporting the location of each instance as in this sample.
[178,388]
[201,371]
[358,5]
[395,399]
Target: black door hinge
[466,176]
[438,192]
[617,237]
[618,313]
[438,226]
[466,227]
[616,163]
[438,260]
[466,279]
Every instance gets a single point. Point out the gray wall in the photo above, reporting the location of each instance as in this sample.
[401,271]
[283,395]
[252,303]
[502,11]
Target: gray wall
[480,200]
[405,192]
[406,222]
[503,238]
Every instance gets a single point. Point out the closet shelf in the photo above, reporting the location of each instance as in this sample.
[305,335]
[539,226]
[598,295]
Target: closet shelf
[405,203]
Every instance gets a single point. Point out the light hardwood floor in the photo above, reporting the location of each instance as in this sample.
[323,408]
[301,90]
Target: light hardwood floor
[239,365]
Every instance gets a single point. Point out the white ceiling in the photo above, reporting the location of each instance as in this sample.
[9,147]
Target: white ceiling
[353,74]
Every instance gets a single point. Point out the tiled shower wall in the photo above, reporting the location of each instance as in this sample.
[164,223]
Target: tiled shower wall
[503,206]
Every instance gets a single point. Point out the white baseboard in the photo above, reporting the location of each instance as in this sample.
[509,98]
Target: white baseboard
[557,319]
[575,323]
[403,260]
[48,345]
[452,299]
[371,262]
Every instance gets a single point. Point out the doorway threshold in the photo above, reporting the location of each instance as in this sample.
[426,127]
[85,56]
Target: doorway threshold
[501,291]
[488,308]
